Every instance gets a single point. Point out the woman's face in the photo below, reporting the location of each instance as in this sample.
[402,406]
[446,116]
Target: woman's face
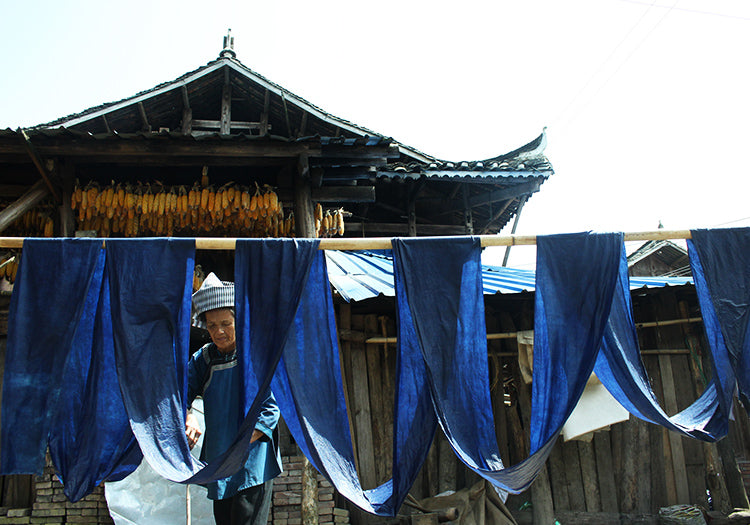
[220,324]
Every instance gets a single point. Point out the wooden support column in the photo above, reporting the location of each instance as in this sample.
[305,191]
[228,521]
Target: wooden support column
[144,118]
[263,129]
[286,116]
[412,208]
[38,163]
[412,219]
[305,227]
[66,171]
[304,210]
[226,105]
[187,113]
[24,203]
[468,220]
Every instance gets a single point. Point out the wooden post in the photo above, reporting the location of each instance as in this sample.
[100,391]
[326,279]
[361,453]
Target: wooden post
[24,203]
[468,219]
[304,210]
[412,214]
[226,104]
[309,509]
[67,220]
[187,113]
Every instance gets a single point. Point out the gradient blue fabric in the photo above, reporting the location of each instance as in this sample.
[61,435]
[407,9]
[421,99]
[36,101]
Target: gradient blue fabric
[151,286]
[60,385]
[720,261]
[319,422]
[620,369]
[575,279]
[269,277]
[575,282]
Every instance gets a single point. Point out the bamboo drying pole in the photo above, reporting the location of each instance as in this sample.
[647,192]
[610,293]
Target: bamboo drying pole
[382,243]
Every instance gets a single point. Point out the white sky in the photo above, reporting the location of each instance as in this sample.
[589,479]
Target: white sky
[646,102]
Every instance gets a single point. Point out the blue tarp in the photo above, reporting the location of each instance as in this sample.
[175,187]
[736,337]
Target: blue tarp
[60,334]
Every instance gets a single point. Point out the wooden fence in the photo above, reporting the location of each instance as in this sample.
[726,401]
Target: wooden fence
[633,468]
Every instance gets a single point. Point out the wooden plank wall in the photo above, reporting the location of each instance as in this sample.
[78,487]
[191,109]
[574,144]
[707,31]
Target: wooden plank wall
[635,467]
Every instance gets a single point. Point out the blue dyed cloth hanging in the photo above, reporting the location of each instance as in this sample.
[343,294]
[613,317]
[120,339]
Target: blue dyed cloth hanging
[60,386]
[720,262]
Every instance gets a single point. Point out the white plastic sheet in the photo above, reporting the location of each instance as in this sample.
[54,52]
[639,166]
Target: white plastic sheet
[145,498]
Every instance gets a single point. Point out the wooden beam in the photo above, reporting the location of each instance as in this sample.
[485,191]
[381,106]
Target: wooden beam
[181,161]
[402,229]
[468,219]
[67,220]
[349,162]
[316,177]
[28,200]
[106,124]
[263,129]
[412,218]
[304,210]
[226,105]
[144,118]
[344,194]
[302,125]
[496,216]
[12,190]
[350,174]
[36,159]
[217,124]
[165,148]
[286,115]
[506,193]
[337,151]
[187,113]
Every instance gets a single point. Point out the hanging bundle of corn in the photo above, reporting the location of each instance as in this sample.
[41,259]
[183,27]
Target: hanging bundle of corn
[133,209]
[9,267]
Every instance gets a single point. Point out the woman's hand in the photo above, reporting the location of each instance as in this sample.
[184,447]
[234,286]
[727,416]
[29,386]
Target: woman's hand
[192,429]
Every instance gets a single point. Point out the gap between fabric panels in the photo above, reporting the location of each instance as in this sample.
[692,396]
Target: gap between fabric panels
[121,316]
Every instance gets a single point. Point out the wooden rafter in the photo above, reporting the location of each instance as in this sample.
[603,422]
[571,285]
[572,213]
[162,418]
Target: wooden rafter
[38,163]
[144,117]
[226,105]
[496,216]
[264,116]
[187,112]
[28,200]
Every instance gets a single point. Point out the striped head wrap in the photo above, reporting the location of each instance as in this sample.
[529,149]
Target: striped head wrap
[212,294]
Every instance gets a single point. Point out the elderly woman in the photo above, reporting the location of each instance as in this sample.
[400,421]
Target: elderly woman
[245,497]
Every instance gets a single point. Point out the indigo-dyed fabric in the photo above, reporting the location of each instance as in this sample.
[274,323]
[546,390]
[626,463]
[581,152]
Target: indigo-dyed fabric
[439,290]
[441,319]
[151,284]
[269,277]
[576,276]
[620,369]
[720,261]
[319,422]
[60,384]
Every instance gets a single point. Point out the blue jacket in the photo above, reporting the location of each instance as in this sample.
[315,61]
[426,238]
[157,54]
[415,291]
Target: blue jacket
[216,377]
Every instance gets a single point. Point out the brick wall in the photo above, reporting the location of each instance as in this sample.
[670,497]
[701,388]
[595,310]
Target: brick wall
[287,497]
[52,507]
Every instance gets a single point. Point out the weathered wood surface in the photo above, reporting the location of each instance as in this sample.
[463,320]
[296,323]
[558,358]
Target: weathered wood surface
[27,201]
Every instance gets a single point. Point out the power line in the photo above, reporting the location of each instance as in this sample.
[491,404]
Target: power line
[686,10]
[604,63]
[619,66]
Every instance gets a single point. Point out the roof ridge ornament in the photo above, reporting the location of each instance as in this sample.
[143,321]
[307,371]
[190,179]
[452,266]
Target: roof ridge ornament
[228,51]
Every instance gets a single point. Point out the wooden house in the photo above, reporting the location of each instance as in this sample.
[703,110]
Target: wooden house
[224,126]
[143,165]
